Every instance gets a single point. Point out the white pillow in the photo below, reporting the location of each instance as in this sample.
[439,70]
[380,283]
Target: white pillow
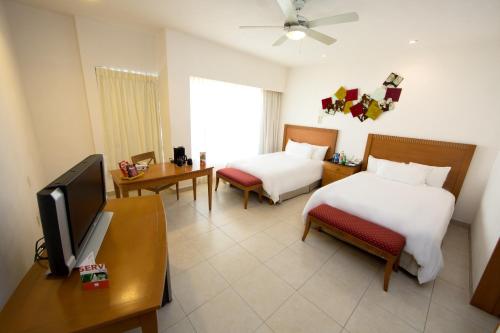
[319,152]
[298,149]
[401,172]
[372,164]
[436,176]
[290,145]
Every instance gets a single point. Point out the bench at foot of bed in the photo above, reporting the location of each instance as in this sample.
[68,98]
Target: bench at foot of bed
[241,180]
[361,233]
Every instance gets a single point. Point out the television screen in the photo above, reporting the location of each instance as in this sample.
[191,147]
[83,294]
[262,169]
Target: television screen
[85,198]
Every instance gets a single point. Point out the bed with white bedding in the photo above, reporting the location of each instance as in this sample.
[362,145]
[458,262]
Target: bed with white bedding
[412,192]
[420,213]
[298,168]
[281,172]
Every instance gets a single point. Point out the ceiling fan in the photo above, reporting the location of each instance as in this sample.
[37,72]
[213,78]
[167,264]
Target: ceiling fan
[297,26]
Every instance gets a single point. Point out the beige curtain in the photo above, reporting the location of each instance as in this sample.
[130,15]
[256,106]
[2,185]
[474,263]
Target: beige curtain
[130,110]
[271,122]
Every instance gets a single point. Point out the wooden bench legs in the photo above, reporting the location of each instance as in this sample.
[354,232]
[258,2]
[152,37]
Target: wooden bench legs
[246,189]
[392,261]
[389,266]
[307,227]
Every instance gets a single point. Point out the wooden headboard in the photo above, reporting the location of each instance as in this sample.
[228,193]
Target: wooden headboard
[313,135]
[437,153]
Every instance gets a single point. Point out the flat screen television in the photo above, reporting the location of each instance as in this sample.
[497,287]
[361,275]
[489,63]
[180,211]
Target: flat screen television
[69,210]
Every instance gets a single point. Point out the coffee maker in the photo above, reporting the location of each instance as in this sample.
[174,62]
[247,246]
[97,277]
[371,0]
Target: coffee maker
[180,155]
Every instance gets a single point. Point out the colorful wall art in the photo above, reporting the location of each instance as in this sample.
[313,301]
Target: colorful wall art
[365,106]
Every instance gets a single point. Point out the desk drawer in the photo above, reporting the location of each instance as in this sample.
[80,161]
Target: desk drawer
[341,169]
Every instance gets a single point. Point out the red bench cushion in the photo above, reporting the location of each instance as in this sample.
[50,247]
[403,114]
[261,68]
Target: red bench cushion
[374,234]
[239,176]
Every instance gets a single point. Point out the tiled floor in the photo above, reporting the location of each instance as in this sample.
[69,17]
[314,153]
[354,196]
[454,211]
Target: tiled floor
[236,270]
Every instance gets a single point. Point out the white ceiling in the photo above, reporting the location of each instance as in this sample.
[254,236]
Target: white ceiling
[387,24]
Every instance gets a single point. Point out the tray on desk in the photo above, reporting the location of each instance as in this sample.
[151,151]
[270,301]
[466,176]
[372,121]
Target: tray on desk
[139,175]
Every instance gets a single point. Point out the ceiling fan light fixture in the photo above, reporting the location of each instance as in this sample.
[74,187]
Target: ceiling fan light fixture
[295,34]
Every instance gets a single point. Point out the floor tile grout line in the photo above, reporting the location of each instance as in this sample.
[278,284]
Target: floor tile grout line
[296,290]
[452,310]
[404,320]
[272,256]
[307,280]
[429,307]
[192,325]
[262,263]
[279,307]
[208,300]
[272,271]
[360,299]
[316,271]
[253,310]
[236,292]
[264,321]
[431,298]
[217,294]
[183,312]
[321,310]
[453,283]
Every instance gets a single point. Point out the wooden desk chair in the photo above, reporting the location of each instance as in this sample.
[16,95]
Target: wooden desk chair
[151,158]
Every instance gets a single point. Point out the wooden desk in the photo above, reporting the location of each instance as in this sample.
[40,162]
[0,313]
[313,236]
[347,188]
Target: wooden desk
[135,253]
[162,174]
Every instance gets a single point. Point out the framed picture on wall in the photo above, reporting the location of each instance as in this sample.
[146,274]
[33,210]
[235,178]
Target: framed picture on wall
[393,80]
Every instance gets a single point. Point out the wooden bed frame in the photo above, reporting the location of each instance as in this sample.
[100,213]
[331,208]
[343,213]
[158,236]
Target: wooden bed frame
[437,153]
[400,149]
[312,135]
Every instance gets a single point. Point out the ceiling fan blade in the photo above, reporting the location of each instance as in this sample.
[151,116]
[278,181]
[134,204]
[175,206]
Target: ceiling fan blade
[288,10]
[280,40]
[336,19]
[261,26]
[320,37]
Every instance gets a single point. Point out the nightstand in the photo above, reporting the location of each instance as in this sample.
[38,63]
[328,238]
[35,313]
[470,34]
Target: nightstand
[333,172]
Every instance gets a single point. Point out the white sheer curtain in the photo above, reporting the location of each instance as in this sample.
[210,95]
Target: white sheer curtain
[130,110]
[271,122]
[225,120]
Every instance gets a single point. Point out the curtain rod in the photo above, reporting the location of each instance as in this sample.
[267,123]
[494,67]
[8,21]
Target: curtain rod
[128,71]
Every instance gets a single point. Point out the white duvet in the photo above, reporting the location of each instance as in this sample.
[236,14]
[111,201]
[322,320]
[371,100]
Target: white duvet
[280,172]
[420,213]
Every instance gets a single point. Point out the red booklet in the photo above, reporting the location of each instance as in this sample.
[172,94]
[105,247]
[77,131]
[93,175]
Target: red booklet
[94,276]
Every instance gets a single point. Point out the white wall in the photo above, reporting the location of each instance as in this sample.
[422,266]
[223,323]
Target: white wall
[49,61]
[46,125]
[485,231]
[190,56]
[126,47]
[113,45]
[21,174]
[447,95]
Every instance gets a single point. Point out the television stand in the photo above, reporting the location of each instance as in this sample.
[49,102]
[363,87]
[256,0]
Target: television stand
[97,233]
[134,251]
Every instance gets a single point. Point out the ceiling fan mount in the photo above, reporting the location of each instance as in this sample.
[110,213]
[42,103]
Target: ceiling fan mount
[299,4]
[297,26]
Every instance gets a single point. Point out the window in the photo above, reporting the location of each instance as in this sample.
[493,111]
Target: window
[225,120]
[130,110]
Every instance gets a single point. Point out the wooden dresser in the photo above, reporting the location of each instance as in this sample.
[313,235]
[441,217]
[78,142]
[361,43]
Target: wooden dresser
[135,253]
[487,293]
[333,172]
